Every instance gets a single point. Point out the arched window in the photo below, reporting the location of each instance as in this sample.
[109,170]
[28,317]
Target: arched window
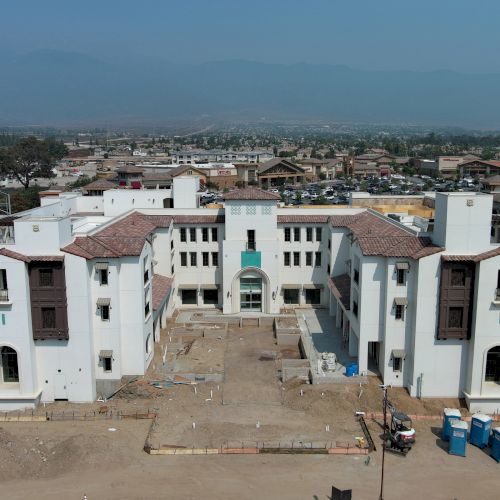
[493,365]
[8,359]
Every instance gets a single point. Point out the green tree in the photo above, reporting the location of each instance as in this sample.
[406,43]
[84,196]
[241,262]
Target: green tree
[30,158]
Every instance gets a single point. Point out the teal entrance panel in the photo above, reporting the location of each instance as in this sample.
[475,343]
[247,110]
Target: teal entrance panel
[250,259]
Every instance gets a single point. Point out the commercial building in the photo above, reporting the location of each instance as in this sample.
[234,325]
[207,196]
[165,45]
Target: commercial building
[194,156]
[88,282]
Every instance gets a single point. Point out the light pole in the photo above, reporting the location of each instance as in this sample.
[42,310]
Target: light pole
[381,496]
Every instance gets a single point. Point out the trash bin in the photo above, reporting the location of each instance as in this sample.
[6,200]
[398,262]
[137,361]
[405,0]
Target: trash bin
[450,415]
[480,430]
[495,444]
[458,438]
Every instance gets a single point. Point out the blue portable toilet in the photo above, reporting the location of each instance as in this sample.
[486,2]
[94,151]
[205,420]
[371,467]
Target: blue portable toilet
[450,415]
[480,430]
[458,438]
[495,444]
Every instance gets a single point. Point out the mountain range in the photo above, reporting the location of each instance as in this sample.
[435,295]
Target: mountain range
[51,87]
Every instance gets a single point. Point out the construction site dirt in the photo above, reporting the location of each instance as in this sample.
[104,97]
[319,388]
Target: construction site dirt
[104,458]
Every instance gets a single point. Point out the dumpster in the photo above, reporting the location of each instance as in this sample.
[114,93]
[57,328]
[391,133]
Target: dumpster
[458,438]
[495,444]
[351,370]
[450,415]
[480,430]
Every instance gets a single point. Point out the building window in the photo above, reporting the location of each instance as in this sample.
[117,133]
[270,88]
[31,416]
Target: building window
[107,364]
[172,270]
[317,259]
[309,233]
[309,258]
[287,234]
[183,234]
[329,244]
[45,277]
[171,244]
[146,310]
[455,317]
[4,290]
[319,233]
[457,277]
[286,258]
[204,234]
[399,311]
[328,269]
[183,259]
[355,308]
[214,234]
[296,258]
[189,297]
[396,364]
[296,234]
[291,296]
[48,317]
[10,368]
[400,277]
[104,313]
[211,297]
[356,276]
[192,259]
[251,239]
[204,257]
[103,276]
[146,270]
[313,296]
[192,234]
[215,259]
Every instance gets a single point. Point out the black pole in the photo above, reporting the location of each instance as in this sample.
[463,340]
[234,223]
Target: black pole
[381,496]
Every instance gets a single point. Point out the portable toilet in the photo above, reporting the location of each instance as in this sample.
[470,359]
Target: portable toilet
[352,369]
[480,430]
[450,416]
[458,438]
[495,444]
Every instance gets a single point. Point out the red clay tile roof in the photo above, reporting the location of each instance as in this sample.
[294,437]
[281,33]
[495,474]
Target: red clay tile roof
[298,219]
[251,194]
[377,235]
[125,237]
[13,255]
[472,258]
[199,219]
[161,286]
[341,288]
[31,258]
[100,185]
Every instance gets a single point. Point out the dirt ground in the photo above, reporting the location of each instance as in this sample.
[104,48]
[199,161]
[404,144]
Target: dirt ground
[87,458]
[69,459]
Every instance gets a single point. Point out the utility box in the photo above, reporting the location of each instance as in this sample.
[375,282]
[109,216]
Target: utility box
[458,438]
[480,430]
[450,415]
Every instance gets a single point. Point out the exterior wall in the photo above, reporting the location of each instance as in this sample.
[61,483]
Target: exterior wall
[439,365]
[303,274]
[241,216]
[483,396]
[65,368]
[15,332]
[462,222]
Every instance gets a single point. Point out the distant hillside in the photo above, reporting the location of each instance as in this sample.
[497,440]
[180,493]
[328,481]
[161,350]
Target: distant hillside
[58,88]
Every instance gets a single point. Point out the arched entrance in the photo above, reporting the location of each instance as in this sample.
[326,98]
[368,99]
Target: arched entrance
[492,371]
[9,365]
[250,291]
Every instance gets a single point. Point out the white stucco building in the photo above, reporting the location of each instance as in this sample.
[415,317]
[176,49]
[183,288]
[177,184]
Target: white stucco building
[86,286]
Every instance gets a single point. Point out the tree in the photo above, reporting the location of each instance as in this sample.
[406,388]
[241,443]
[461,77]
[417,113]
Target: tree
[30,158]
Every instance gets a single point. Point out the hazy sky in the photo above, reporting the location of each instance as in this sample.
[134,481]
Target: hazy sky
[461,35]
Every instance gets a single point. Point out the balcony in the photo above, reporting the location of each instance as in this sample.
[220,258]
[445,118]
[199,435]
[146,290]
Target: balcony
[4,295]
